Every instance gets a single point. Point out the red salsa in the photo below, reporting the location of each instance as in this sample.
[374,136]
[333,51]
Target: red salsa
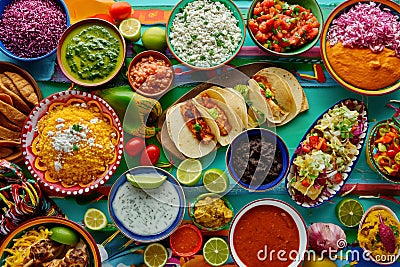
[266,228]
[186,241]
[280,27]
[151,75]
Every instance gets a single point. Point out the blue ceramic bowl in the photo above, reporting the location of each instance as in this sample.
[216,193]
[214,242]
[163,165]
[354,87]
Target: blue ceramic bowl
[3,4]
[269,136]
[136,235]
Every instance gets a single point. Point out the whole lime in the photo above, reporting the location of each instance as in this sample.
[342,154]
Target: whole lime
[64,235]
[154,38]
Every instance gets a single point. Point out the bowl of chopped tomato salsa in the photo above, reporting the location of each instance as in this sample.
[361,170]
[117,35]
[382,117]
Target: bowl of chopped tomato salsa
[285,28]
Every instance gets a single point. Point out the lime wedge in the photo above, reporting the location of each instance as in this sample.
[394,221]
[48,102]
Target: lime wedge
[131,29]
[349,212]
[216,251]
[146,181]
[64,235]
[189,172]
[95,219]
[215,181]
[155,255]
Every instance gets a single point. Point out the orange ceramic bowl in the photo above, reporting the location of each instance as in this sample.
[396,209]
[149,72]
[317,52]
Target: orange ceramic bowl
[163,78]
[186,240]
[48,222]
[341,79]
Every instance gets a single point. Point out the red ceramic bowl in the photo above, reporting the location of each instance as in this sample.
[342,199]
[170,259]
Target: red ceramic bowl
[29,137]
[186,240]
[162,79]
[92,250]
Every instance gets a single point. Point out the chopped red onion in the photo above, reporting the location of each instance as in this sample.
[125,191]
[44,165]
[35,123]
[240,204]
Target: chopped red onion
[366,26]
[32,28]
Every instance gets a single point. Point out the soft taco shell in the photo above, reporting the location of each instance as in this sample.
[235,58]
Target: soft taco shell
[235,101]
[234,121]
[183,138]
[283,96]
[297,91]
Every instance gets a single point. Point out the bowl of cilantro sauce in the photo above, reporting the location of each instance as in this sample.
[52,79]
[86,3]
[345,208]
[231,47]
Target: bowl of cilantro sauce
[91,52]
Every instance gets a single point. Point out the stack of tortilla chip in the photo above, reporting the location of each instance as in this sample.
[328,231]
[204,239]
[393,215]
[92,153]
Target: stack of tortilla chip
[17,98]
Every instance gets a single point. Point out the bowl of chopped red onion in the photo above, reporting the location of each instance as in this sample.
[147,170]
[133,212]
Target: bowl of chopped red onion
[362,52]
[30,30]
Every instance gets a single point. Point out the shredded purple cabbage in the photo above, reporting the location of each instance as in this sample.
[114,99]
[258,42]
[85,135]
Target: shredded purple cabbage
[32,28]
[366,26]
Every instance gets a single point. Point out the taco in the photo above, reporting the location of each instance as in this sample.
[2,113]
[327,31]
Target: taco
[294,86]
[256,107]
[277,96]
[213,103]
[193,133]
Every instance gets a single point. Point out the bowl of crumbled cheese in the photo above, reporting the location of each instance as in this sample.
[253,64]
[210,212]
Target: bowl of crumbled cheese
[205,34]
[72,143]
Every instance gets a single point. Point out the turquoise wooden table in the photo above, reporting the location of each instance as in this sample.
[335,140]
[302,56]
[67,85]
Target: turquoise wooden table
[320,97]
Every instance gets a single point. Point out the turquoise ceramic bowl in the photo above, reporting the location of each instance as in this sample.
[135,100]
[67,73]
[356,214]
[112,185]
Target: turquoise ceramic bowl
[236,13]
[310,4]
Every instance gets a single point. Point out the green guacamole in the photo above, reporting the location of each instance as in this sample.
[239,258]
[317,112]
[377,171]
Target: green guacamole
[92,53]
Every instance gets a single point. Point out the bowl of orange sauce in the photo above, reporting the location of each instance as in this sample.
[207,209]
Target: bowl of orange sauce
[186,240]
[268,232]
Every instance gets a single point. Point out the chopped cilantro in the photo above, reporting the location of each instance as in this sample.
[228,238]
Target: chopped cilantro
[274,31]
[285,6]
[220,42]
[75,147]
[395,230]
[197,127]
[202,57]
[194,37]
[211,52]
[77,127]
[285,39]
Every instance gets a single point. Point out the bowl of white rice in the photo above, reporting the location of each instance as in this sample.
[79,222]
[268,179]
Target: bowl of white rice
[30,29]
[205,34]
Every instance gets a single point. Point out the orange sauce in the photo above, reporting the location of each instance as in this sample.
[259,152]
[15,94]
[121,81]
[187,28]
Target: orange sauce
[266,228]
[185,240]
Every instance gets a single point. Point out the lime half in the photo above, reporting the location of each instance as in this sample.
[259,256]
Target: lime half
[189,172]
[349,212]
[216,251]
[146,181]
[215,181]
[130,29]
[95,219]
[155,255]
[64,235]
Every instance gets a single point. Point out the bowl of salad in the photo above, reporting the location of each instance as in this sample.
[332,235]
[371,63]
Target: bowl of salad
[327,154]
[383,150]
[285,28]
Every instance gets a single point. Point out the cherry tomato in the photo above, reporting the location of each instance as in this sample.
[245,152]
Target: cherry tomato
[338,178]
[150,155]
[120,10]
[391,153]
[134,146]
[104,17]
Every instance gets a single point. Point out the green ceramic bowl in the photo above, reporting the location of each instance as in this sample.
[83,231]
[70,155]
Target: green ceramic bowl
[192,205]
[372,149]
[310,4]
[179,9]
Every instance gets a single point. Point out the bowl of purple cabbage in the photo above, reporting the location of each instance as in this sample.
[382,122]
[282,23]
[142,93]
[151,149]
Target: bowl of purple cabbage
[30,29]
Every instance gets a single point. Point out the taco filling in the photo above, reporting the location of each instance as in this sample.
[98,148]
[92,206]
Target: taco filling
[269,94]
[196,124]
[253,111]
[216,113]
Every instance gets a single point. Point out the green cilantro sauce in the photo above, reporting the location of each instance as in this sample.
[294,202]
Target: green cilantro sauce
[91,53]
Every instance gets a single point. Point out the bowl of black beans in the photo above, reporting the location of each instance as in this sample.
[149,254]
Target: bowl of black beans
[257,159]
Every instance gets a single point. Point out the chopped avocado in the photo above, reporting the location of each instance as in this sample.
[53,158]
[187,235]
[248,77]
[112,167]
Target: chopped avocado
[213,112]
[243,90]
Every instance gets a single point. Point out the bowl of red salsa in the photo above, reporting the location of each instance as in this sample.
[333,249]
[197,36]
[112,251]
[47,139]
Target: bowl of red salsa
[150,73]
[268,232]
[186,240]
[285,28]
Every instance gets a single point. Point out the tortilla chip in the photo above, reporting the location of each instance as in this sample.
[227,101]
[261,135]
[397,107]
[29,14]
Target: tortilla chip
[12,114]
[9,84]
[18,102]
[15,157]
[5,152]
[311,192]
[6,98]
[8,134]
[8,124]
[24,87]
